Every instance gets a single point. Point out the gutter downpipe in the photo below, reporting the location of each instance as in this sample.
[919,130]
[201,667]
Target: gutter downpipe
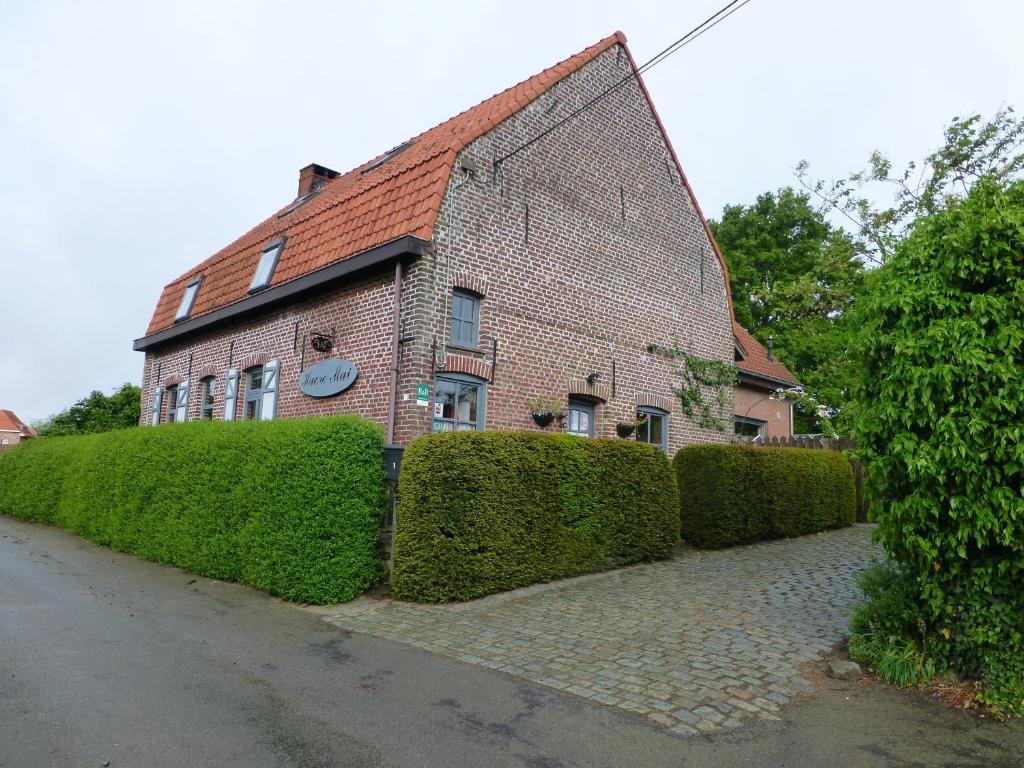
[395,336]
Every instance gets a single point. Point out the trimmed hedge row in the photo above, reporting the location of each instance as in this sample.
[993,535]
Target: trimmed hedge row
[483,512]
[292,507]
[735,494]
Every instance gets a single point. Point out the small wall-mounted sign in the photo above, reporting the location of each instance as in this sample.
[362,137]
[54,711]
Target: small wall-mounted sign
[422,394]
[328,377]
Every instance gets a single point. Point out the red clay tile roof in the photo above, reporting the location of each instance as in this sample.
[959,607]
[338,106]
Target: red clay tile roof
[359,211]
[756,361]
[10,422]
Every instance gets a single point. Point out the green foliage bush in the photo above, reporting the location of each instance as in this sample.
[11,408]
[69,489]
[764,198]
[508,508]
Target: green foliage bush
[735,494]
[291,506]
[483,512]
[885,633]
[96,413]
[941,429]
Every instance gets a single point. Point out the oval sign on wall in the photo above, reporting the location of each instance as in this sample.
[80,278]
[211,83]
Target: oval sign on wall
[328,377]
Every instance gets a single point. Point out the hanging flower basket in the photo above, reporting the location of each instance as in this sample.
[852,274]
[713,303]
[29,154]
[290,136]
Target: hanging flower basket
[542,418]
[624,429]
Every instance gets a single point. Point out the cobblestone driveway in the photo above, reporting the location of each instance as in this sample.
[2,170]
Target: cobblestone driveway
[698,643]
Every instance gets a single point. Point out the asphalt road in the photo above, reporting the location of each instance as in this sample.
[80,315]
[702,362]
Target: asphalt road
[108,660]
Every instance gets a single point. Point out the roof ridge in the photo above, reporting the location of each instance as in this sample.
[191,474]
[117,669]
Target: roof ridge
[454,143]
[597,48]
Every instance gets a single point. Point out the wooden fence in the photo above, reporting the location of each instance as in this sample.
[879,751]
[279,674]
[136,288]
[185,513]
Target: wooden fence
[830,444]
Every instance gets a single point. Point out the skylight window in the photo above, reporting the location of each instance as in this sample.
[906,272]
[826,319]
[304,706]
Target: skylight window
[388,155]
[265,269]
[188,299]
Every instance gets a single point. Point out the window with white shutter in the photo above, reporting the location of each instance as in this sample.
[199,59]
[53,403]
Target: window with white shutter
[271,372]
[230,394]
[158,394]
[261,391]
[207,393]
[181,406]
[172,403]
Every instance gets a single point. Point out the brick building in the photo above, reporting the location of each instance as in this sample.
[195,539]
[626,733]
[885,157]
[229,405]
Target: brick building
[462,274]
[13,430]
[760,375]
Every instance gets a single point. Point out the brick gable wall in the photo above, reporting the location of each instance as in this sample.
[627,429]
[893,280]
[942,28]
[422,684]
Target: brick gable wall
[611,262]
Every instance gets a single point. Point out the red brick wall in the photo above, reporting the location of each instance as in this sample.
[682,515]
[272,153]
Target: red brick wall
[615,258]
[360,318]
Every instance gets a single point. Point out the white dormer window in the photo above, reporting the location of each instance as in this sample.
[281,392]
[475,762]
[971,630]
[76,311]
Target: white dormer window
[265,269]
[188,299]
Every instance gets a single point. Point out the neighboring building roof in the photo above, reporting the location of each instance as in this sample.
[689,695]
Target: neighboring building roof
[755,360]
[9,422]
[369,207]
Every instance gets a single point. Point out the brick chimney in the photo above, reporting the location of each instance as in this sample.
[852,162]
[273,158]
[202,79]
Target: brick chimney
[313,177]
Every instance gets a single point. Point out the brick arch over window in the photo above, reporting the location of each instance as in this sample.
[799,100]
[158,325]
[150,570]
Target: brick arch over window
[468,365]
[254,359]
[208,369]
[172,381]
[466,282]
[580,387]
[654,401]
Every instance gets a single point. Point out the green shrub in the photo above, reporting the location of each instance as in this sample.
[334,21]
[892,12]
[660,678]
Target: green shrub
[735,494]
[940,429]
[884,633]
[484,512]
[290,506]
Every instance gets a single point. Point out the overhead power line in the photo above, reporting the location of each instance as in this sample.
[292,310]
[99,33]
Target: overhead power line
[709,23]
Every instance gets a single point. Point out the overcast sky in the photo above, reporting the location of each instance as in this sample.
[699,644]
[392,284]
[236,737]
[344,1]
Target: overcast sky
[136,139]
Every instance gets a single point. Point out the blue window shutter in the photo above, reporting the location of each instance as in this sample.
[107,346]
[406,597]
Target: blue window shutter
[158,394]
[271,373]
[230,394]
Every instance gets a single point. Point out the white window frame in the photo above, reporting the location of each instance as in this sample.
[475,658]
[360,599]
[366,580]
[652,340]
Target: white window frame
[188,298]
[265,267]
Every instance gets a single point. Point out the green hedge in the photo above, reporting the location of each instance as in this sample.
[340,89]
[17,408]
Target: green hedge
[484,512]
[291,506]
[734,494]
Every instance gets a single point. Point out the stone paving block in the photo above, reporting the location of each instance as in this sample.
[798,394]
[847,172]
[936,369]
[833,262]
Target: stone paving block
[662,719]
[661,706]
[703,642]
[632,706]
[684,730]
[707,713]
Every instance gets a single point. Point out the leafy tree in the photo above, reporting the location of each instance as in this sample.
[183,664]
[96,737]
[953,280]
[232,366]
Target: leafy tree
[974,149]
[794,277]
[941,429]
[96,413]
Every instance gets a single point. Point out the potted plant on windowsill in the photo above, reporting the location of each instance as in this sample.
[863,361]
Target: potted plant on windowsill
[626,428]
[544,410]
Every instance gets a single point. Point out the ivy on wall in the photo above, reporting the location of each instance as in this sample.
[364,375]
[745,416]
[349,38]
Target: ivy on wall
[704,389]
